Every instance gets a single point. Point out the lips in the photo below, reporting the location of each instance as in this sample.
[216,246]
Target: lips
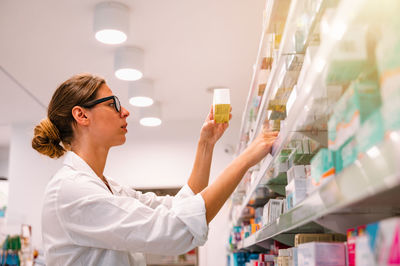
[124,127]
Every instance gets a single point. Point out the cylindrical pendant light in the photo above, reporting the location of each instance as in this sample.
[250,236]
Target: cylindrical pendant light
[141,93]
[128,63]
[151,116]
[111,22]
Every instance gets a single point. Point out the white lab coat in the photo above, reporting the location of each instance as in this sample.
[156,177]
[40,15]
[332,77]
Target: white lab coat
[84,224]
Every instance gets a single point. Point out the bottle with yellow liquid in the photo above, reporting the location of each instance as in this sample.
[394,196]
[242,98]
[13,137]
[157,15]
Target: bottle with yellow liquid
[221,105]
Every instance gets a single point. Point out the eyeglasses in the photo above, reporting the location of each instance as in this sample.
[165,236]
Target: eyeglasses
[117,104]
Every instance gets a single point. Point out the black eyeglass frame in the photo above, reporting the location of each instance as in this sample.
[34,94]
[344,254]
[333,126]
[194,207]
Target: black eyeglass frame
[117,103]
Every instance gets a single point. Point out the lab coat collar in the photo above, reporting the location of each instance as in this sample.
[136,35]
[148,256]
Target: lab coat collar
[74,161]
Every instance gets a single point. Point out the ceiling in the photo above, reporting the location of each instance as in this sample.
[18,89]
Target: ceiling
[189,46]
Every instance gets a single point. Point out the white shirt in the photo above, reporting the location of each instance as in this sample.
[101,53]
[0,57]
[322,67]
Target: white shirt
[84,224]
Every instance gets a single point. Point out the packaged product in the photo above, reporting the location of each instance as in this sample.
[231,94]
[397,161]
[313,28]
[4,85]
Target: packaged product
[320,253]
[305,238]
[388,59]
[296,191]
[272,210]
[322,167]
[391,112]
[350,57]
[370,133]
[346,155]
[375,244]
[296,172]
[357,103]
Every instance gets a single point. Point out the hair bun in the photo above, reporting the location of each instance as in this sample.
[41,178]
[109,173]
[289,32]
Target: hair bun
[46,139]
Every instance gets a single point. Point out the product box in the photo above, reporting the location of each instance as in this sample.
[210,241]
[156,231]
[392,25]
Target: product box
[350,56]
[384,241]
[370,133]
[305,238]
[346,155]
[388,60]
[272,210]
[311,51]
[296,172]
[322,167]
[360,100]
[390,112]
[351,246]
[320,253]
[283,261]
[296,191]
[293,255]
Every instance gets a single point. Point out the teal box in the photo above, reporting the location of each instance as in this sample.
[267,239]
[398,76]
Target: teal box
[346,155]
[322,166]
[391,112]
[354,107]
[371,132]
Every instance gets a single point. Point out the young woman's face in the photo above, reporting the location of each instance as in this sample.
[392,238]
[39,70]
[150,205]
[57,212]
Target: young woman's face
[106,124]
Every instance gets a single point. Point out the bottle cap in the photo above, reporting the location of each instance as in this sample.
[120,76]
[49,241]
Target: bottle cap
[221,96]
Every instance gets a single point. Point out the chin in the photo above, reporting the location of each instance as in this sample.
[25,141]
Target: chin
[120,141]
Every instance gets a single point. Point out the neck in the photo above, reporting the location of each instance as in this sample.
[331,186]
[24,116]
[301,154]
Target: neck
[94,155]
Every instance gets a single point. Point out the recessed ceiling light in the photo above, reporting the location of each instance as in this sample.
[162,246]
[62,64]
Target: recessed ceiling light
[128,63]
[111,22]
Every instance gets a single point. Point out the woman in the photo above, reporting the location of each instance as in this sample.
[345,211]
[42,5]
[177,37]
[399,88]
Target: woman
[89,219]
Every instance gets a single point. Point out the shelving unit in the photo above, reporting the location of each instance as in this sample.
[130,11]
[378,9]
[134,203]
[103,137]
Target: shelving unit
[367,190]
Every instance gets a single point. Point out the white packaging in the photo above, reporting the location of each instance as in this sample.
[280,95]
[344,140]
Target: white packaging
[308,58]
[296,191]
[364,254]
[321,253]
[296,171]
[272,210]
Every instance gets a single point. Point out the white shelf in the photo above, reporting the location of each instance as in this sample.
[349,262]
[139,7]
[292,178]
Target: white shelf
[367,191]
[364,192]
[267,161]
[275,11]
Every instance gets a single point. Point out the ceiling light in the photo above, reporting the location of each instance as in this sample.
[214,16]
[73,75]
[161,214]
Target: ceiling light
[128,63]
[111,22]
[141,93]
[151,116]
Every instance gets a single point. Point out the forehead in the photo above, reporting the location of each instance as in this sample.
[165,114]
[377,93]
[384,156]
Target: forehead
[104,91]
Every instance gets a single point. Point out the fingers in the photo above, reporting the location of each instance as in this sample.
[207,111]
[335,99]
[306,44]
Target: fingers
[211,114]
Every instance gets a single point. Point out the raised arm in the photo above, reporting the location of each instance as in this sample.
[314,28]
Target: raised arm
[209,135]
[219,191]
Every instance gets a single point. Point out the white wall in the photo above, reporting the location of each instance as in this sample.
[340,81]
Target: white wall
[148,159]
[4,154]
[29,173]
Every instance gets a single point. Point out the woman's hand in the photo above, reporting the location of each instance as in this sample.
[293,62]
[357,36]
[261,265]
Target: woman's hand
[211,132]
[260,147]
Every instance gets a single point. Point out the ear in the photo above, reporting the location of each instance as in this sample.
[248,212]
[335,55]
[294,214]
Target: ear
[80,115]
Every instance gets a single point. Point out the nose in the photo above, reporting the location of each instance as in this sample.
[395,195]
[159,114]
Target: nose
[124,112]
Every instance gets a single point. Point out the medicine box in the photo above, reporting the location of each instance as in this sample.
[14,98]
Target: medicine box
[296,191]
[322,167]
[272,210]
[354,107]
[390,112]
[322,254]
[388,62]
[346,155]
[296,171]
[305,238]
[349,58]
[370,133]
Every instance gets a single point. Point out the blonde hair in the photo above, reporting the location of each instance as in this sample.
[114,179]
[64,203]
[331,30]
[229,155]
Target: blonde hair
[53,135]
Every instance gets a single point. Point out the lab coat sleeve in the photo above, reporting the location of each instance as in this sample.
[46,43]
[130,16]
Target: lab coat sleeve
[93,217]
[152,200]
